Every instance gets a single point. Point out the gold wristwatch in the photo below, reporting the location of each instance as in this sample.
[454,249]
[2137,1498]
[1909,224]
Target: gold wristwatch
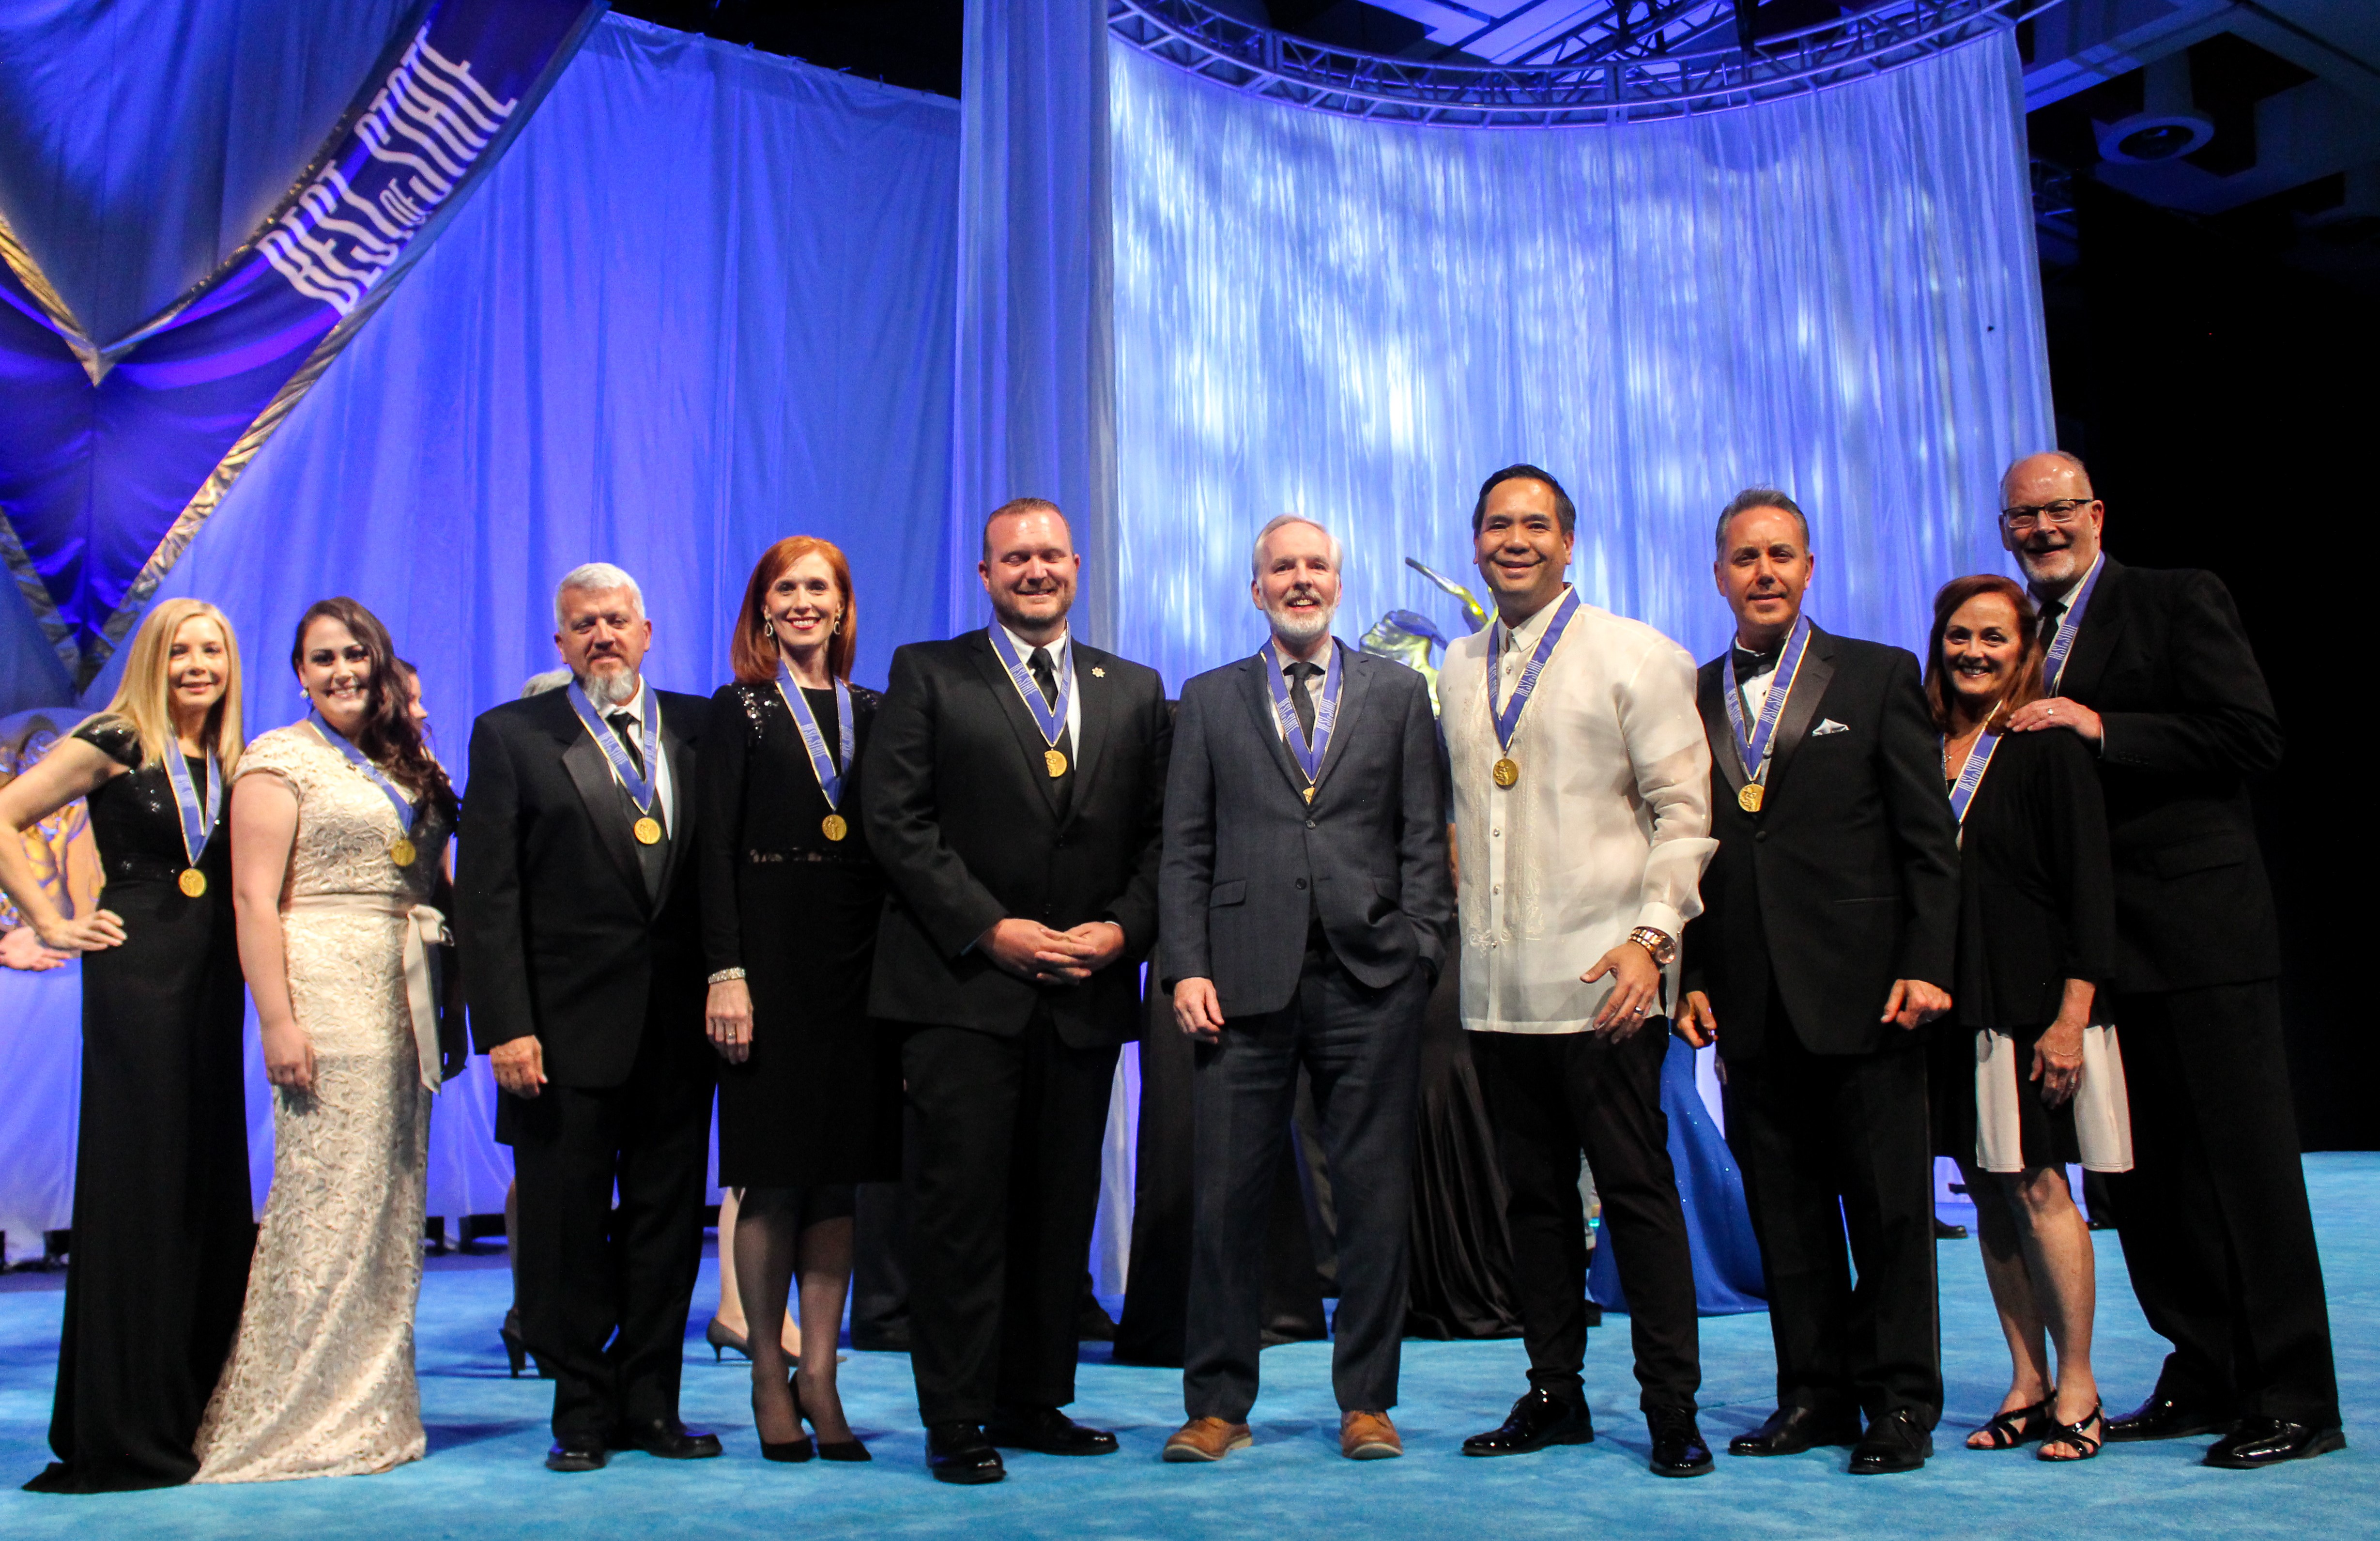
[1663,946]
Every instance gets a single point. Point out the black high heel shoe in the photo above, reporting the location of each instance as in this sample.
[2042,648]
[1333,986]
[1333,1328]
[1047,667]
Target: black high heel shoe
[839,1450]
[721,1338]
[516,1351]
[790,1451]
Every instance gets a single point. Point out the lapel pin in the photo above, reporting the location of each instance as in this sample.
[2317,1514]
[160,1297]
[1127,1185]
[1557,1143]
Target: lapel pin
[1098,673]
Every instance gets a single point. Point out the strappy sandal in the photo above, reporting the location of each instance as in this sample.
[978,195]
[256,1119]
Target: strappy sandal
[2071,1434]
[2017,1426]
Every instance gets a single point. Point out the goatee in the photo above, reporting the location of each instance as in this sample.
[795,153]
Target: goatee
[609,689]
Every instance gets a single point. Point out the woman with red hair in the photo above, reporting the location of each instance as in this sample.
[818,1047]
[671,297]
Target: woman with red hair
[809,1095]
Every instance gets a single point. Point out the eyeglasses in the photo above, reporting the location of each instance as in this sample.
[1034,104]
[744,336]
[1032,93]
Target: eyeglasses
[2061,513]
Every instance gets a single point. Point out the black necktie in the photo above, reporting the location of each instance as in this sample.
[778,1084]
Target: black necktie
[621,722]
[1301,697]
[2053,614]
[1044,674]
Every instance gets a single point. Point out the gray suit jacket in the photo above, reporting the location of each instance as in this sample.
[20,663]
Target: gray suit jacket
[1245,856]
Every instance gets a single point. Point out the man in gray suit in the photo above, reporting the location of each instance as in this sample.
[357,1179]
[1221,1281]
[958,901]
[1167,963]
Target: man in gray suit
[1303,904]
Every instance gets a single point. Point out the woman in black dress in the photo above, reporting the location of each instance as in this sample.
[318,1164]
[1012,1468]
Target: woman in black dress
[162,1221]
[2036,934]
[810,1097]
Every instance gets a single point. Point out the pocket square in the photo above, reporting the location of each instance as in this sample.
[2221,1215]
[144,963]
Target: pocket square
[1825,726]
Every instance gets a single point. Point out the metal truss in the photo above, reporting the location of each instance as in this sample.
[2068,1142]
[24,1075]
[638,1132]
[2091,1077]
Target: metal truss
[1670,59]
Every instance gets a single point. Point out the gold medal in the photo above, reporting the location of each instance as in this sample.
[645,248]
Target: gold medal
[648,831]
[1506,772]
[1749,799]
[1056,761]
[1309,795]
[192,882]
[835,826]
[400,850]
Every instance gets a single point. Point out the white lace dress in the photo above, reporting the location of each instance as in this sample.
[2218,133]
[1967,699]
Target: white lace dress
[321,1381]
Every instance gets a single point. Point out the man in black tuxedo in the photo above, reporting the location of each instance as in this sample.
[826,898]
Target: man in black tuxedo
[2158,678]
[1305,903]
[1828,933]
[1013,791]
[582,957]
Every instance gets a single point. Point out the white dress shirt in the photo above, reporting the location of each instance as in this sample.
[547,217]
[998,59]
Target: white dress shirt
[1062,663]
[656,765]
[1608,829]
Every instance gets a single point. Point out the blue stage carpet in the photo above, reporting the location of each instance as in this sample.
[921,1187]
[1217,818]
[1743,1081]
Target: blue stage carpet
[486,1433]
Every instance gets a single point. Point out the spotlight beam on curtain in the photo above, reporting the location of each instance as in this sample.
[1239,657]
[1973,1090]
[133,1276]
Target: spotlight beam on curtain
[1836,294]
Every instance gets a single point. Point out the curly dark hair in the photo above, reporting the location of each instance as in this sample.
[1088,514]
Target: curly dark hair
[388,736]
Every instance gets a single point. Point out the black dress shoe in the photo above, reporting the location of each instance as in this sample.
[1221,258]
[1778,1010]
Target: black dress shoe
[1538,1419]
[959,1452]
[1678,1448]
[578,1453]
[2161,1417]
[1792,1430]
[1047,1430]
[2261,1442]
[667,1438]
[1896,1442]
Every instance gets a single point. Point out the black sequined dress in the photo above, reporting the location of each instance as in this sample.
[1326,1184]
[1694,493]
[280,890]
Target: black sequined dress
[163,1220]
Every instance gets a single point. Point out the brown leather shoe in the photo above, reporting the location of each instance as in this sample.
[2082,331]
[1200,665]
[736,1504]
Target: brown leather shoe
[1368,1436]
[1207,1439]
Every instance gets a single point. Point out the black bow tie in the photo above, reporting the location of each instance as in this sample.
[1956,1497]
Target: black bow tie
[1751,665]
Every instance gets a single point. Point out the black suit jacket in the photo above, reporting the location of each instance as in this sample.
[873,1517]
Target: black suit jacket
[2163,659]
[1248,861]
[558,934]
[967,825]
[1847,878]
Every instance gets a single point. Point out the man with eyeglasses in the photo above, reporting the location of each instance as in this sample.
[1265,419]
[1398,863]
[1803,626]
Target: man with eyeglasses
[2153,671]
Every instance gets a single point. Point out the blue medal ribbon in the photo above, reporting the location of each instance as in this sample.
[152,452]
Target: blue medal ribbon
[829,780]
[1508,718]
[1051,718]
[1326,711]
[640,787]
[1971,775]
[198,818]
[1751,748]
[2053,668]
[378,777]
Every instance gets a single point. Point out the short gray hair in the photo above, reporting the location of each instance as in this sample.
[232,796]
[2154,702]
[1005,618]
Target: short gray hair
[2069,457]
[596,578]
[1758,497]
[1256,552]
[538,684]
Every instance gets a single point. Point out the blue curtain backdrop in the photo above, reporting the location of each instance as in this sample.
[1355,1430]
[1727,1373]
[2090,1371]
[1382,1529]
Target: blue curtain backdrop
[1358,322]
[704,302]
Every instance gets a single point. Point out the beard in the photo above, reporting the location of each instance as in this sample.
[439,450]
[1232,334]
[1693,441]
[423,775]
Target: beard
[608,690]
[1299,628]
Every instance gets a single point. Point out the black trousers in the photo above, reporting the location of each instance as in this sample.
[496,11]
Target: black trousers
[1004,1187]
[1361,1047]
[1549,1097]
[604,1291]
[2217,1236]
[1833,1145]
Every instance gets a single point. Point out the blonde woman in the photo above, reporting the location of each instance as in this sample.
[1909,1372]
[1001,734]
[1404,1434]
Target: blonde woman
[161,1206]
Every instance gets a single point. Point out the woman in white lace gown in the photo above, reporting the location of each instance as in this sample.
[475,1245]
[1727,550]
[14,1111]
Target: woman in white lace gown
[337,827]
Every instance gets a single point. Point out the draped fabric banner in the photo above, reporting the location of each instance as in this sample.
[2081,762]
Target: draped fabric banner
[113,451]
[1035,414]
[1834,293]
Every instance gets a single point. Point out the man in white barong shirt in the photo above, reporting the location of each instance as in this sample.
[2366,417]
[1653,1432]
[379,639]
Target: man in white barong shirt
[1580,844]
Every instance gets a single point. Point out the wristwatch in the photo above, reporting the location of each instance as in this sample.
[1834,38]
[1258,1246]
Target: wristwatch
[1663,946]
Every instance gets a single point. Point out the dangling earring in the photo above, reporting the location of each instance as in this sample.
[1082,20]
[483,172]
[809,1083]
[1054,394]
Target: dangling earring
[838,625]
[768,628]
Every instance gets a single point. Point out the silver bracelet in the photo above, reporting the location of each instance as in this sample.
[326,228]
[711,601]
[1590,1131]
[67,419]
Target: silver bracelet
[725,974]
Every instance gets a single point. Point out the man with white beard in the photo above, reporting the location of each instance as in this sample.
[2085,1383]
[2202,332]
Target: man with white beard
[1303,904]
[579,921]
